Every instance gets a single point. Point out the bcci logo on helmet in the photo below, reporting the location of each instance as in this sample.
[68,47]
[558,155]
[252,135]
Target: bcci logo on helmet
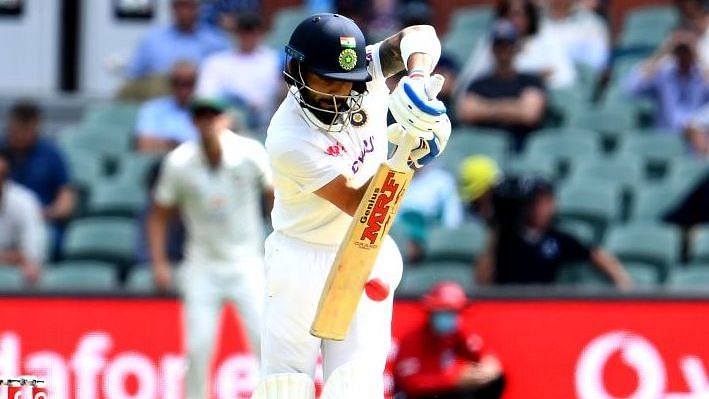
[347,59]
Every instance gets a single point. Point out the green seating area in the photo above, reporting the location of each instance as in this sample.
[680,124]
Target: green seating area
[614,178]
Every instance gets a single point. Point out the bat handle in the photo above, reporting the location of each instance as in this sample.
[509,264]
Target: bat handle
[400,160]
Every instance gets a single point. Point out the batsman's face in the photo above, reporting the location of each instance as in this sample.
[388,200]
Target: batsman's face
[323,89]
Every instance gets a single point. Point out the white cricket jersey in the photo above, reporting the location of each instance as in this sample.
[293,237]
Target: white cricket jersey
[221,207]
[305,158]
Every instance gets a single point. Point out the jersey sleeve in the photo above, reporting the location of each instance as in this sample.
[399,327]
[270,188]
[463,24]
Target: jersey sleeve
[167,187]
[304,164]
[374,63]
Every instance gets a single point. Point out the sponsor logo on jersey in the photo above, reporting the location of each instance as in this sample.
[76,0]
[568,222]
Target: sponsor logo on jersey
[378,209]
[367,147]
[335,150]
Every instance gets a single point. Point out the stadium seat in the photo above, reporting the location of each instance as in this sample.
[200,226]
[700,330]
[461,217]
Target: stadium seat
[563,149]
[85,167]
[650,37]
[115,114]
[579,230]
[462,243]
[652,201]
[117,198]
[134,167]
[537,165]
[466,142]
[11,278]
[470,18]
[648,25]
[140,279]
[100,140]
[651,243]
[654,15]
[460,44]
[696,278]
[699,245]
[417,280]
[283,23]
[108,239]
[582,274]
[624,171]
[656,150]
[79,276]
[685,172]
[595,204]
[610,121]
[587,275]
[567,130]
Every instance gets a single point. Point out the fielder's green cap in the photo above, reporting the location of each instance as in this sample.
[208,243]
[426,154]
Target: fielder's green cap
[217,104]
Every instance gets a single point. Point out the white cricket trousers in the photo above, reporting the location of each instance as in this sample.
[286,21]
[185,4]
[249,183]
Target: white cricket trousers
[204,289]
[296,272]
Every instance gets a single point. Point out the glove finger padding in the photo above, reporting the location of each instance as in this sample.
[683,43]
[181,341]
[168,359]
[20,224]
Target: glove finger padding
[411,106]
[434,86]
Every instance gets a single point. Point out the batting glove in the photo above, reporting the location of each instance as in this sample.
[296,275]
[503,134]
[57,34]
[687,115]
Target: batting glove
[427,150]
[414,105]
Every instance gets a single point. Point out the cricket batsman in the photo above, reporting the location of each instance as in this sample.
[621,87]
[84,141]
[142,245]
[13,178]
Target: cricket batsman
[325,142]
[217,184]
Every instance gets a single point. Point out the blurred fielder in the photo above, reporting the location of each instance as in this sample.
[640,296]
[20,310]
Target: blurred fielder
[325,142]
[216,183]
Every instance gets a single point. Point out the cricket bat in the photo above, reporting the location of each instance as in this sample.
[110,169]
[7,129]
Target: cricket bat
[358,251]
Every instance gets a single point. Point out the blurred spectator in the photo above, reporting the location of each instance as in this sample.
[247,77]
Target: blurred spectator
[22,232]
[443,359]
[449,69]
[478,175]
[582,33]
[249,75]
[505,99]
[38,164]
[697,132]
[431,199]
[694,15]
[524,248]
[222,14]
[693,209]
[186,39]
[674,80]
[175,235]
[165,122]
[537,54]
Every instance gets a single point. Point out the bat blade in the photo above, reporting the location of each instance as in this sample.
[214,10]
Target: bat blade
[358,252]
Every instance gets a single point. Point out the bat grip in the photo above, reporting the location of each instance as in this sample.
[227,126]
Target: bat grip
[400,160]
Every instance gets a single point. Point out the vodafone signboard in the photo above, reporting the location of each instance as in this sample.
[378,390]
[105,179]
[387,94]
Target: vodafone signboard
[132,348]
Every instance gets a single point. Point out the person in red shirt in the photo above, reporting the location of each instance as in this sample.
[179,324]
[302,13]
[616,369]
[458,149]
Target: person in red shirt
[442,361]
